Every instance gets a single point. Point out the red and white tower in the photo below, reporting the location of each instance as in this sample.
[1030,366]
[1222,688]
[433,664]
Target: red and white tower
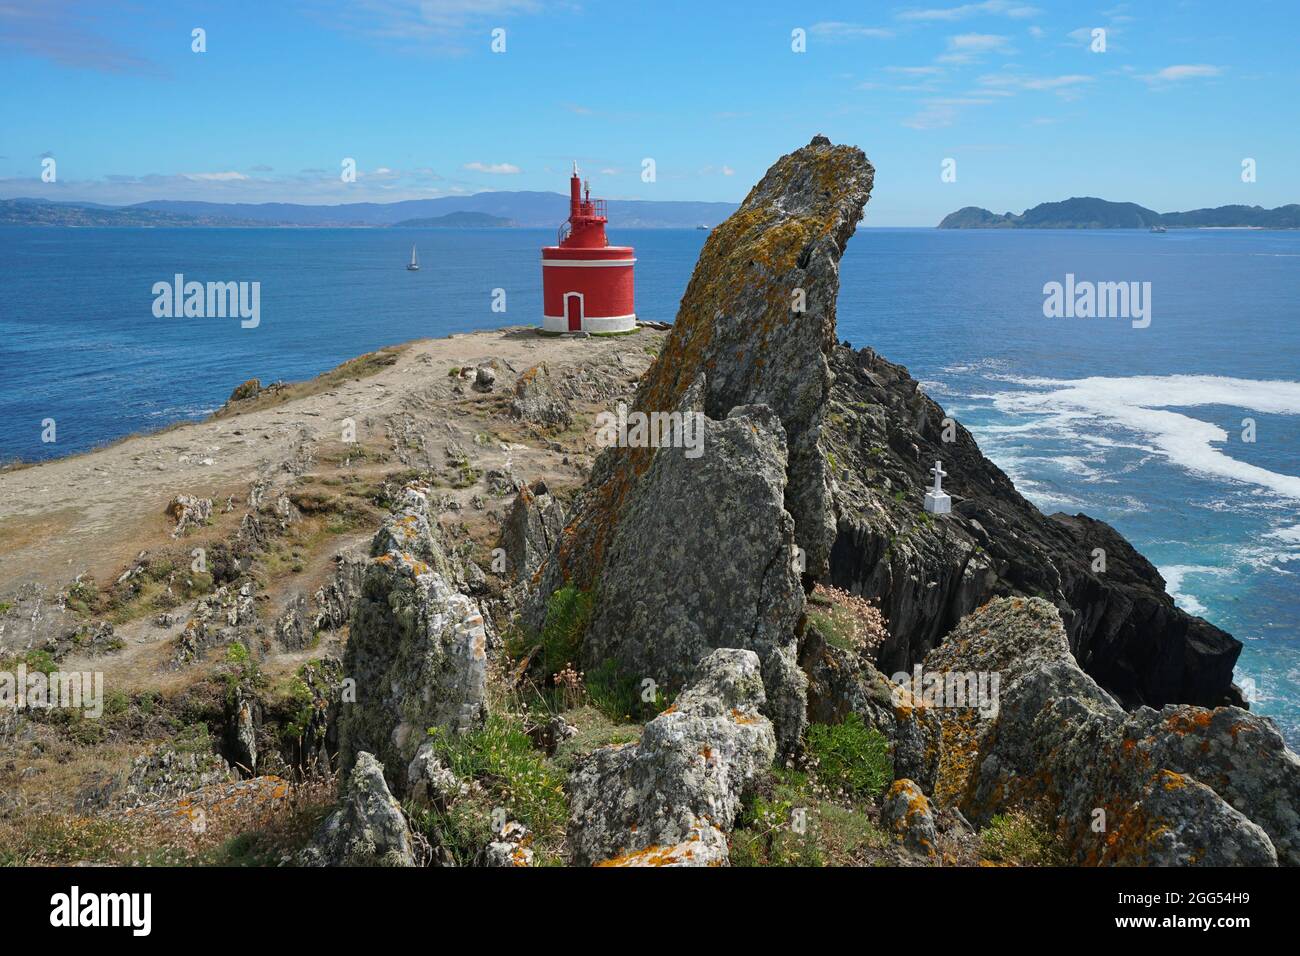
[586,282]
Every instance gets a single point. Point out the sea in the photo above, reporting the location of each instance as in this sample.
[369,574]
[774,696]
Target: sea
[1183,432]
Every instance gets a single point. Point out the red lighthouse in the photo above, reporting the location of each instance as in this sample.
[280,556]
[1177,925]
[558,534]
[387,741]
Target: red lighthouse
[586,282]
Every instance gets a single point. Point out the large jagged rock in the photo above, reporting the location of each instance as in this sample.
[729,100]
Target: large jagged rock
[669,799]
[885,435]
[1183,785]
[335,597]
[417,648]
[538,401]
[755,328]
[669,594]
[530,529]
[369,829]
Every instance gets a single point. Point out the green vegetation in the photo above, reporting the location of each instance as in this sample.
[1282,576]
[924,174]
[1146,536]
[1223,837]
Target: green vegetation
[568,612]
[620,697]
[514,777]
[1017,839]
[595,730]
[851,758]
[788,824]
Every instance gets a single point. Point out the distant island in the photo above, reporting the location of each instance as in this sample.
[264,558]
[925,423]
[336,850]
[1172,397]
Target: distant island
[1089,213]
[457,220]
[519,209]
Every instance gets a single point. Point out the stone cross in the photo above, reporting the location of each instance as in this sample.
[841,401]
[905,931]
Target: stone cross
[936,500]
[939,475]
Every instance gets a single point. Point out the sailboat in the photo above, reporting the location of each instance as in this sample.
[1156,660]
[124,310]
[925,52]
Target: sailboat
[414,265]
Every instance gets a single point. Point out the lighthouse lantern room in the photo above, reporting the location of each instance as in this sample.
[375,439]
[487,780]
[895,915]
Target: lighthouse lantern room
[586,282]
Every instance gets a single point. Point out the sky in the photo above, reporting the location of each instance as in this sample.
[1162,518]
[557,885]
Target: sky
[1017,95]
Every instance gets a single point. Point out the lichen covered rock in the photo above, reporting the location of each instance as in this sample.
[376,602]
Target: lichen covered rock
[530,529]
[685,778]
[905,813]
[537,400]
[417,649]
[1178,786]
[368,829]
[670,594]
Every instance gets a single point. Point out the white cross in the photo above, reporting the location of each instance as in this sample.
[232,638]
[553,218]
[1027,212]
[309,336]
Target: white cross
[939,475]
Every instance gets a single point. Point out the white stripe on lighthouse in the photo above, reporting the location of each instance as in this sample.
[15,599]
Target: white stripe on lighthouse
[587,263]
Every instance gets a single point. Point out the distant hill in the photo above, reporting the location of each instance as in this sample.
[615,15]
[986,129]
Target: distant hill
[42,212]
[525,209]
[1090,213]
[456,220]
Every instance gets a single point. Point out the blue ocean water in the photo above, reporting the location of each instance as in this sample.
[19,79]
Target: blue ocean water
[1141,427]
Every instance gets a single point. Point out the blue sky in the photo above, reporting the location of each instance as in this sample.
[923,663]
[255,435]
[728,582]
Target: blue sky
[713,92]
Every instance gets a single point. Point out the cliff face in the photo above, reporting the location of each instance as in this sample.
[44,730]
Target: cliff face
[884,434]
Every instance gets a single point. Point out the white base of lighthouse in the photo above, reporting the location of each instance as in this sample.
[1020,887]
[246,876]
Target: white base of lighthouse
[613,323]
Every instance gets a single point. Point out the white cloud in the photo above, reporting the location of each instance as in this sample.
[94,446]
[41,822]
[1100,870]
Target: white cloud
[214,177]
[839,30]
[969,47]
[977,42]
[1183,71]
[916,70]
[940,112]
[1005,8]
[1014,81]
[728,171]
[496,169]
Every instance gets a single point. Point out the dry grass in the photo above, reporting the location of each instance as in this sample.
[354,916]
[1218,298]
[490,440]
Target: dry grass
[353,370]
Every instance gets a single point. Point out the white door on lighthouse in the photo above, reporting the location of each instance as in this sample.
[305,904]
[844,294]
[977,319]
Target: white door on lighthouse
[573,310]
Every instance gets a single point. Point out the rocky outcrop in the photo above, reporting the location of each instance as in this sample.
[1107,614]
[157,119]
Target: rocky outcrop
[538,402]
[905,814]
[368,829]
[334,599]
[658,618]
[928,572]
[170,770]
[243,714]
[669,799]
[1183,785]
[293,630]
[188,512]
[530,529]
[225,616]
[751,341]
[417,648]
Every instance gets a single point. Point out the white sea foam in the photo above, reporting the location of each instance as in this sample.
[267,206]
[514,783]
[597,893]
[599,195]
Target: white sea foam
[1139,404]
[1175,576]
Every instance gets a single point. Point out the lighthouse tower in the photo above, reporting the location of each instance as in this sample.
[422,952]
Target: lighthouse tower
[586,282]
